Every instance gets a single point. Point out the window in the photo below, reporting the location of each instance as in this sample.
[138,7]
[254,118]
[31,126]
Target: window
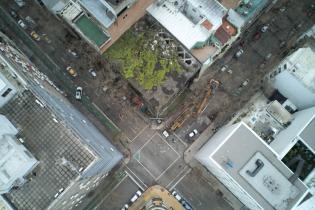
[6,92]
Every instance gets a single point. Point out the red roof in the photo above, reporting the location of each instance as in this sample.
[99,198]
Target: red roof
[206,23]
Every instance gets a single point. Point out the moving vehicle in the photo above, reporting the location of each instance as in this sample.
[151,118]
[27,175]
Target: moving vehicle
[78,93]
[72,71]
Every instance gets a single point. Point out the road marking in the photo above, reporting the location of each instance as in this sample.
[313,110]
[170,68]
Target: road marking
[180,180]
[146,169]
[185,168]
[145,143]
[114,188]
[180,139]
[134,180]
[136,176]
[168,167]
[106,116]
[142,130]
[168,144]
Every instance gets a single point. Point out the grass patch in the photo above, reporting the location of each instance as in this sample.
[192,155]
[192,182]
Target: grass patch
[144,57]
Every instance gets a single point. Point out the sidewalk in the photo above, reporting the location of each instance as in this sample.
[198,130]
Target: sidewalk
[125,21]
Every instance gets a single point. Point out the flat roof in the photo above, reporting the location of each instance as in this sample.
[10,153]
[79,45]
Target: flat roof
[308,134]
[101,10]
[60,152]
[241,149]
[174,19]
[91,30]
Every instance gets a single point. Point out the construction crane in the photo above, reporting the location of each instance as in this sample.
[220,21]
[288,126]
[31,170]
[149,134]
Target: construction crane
[181,119]
[188,111]
[212,86]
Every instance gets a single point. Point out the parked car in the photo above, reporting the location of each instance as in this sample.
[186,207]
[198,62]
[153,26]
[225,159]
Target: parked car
[264,28]
[78,93]
[239,53]
[186,205]
[73,53]
[92,72]
[165,134]
[22,24]
[136,196]
[46,38]
[72,71]
[175,194]
[193,133]
[20,3]
[35,36]
[13,14]
[126,206]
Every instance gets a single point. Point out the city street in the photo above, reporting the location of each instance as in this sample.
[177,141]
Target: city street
[150,157]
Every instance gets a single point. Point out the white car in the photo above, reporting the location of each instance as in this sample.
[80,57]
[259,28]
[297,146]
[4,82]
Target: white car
[22,24]
[193,133]
[20,3]
[92,72]
[239,53]
[78,93]
[136,196]
[126,206]
[264,28]
[175,194]
[165,134]
[73,53]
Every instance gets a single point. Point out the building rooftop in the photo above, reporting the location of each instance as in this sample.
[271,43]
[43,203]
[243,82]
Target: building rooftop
[60,152]
[16,161]
[256,168]
[185,19]
[4,205]
[101,10]
[157,197]
[66,144]
[302,128]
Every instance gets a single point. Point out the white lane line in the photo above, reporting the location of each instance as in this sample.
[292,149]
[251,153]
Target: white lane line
[136,176]
[180,180]
[114,188]
[145,144]
[168,168]
[180,140]
[180,173]
[142,130]
[106,116]
[146,169]
[178,155]
[134,180]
